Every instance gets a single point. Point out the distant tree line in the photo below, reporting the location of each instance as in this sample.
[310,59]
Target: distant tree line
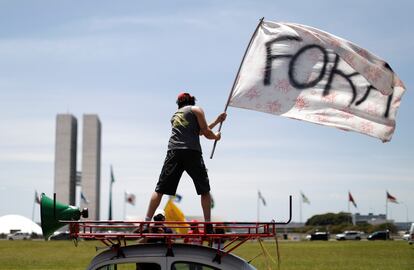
[339,222]
[329,219]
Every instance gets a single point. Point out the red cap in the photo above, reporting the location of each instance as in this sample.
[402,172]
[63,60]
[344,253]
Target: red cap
[183,95]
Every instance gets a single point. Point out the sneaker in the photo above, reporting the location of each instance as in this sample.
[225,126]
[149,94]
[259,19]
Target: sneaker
[145,229]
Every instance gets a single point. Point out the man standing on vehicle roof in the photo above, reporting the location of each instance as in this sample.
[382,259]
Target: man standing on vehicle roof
[184,154]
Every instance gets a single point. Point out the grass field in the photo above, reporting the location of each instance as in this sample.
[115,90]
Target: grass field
[349,255]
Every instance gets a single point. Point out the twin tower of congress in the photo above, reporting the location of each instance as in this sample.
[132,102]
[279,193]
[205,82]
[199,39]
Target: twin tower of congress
[67,177]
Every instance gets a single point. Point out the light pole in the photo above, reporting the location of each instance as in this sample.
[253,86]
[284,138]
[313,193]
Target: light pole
[406,211]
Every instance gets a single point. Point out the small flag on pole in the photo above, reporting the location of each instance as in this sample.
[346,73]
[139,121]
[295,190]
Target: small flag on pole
[304,198]
[130,198]
[391,198]
[112,175]
[351,199]
[259,194]
[37,198]
[177,198]
[110,194]
[84,199]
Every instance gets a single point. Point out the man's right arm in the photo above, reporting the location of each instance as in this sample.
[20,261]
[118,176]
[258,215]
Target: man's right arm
[204,128]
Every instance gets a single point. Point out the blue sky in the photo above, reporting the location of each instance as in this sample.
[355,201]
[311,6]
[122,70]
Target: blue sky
[127,60]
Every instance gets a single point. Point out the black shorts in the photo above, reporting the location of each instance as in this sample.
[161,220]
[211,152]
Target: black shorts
[178,161]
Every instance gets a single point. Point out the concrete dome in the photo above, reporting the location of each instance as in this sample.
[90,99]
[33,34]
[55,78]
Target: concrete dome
[16,222]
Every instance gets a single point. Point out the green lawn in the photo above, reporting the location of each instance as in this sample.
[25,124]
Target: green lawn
[333,255]
[349,255]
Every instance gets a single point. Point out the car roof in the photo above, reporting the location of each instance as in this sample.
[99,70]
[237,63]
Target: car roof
[377,232]
[182,252]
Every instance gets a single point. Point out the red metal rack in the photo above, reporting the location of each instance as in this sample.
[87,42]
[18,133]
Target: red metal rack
[117,233]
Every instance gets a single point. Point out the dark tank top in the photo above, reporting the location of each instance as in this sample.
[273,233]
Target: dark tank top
[185,130]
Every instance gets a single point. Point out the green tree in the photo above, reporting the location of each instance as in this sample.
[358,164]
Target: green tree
[329,219]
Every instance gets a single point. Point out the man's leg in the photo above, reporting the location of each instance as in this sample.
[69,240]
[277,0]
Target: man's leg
[206,205]
[153,205]
[168,181]
[194,165]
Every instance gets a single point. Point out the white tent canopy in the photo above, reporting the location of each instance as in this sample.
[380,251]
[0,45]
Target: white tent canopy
[15,222]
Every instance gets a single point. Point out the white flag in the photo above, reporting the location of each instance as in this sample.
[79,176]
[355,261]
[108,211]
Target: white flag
[304,198]
[37,198]
[84,199]
[259,195]
[304,73]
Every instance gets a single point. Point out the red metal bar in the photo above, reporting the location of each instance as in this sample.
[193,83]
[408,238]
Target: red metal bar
[236,246]
[231,242]
[113,233]
[109,231]
[105,242]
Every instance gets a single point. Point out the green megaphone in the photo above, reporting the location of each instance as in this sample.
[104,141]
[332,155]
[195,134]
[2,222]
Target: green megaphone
[52,212]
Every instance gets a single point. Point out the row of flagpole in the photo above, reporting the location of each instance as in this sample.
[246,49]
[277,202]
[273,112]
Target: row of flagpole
[129,198]
[304,199]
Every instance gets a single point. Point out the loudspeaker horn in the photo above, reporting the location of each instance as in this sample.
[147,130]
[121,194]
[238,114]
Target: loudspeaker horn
[54,213]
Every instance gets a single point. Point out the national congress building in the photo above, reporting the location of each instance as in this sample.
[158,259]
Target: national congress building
[65,178]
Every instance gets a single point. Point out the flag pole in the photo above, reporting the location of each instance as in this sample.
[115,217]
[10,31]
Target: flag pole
[349,207]
[125,198]
[110,203]
[386,205]
[33,209]
[258,207]
[300,208]
[110,196]
[235,81]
